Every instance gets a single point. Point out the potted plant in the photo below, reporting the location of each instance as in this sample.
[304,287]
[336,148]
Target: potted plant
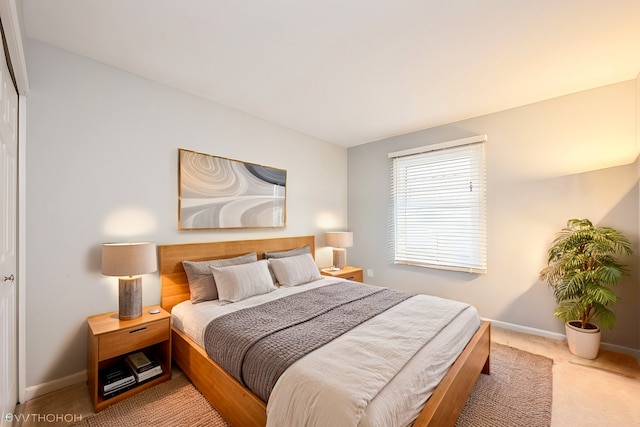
[581,270]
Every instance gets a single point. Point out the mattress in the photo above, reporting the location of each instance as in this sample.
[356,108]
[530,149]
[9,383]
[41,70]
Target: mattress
[306,395]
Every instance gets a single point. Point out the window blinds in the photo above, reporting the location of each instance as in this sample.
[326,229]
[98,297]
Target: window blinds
[439,206]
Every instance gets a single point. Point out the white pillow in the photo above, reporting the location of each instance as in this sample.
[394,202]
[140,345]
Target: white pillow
[237,282]
[295,270]
[202,285]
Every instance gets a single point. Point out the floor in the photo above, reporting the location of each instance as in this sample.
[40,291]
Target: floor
[603,392]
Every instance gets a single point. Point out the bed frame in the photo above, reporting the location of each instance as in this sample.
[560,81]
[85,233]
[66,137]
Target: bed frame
[239,406]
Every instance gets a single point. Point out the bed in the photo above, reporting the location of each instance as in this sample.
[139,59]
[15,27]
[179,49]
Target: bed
[242,407]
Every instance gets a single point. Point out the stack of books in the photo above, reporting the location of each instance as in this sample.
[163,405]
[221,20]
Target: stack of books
[116,379]
[143,367]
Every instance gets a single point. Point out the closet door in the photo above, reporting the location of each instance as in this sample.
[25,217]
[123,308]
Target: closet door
[8,239]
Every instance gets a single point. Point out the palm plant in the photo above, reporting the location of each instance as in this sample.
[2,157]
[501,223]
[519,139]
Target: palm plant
[581,268]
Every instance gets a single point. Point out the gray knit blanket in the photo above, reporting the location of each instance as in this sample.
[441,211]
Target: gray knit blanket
[255,345]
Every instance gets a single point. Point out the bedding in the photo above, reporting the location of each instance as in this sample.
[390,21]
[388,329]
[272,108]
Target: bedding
[278,333]
[379,374]
[294,270]
[276,255]
[288,253]
[202,285]
[237,282]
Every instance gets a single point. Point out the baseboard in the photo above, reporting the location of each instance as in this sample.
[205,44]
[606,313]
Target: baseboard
[44,388]
[620,349]
[553,335]
[527,330]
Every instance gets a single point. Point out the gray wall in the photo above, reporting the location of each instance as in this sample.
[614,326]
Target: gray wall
[546,163]
[101,165]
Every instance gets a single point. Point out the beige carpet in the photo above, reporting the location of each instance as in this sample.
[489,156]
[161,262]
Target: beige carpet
[173,403]
[517,393]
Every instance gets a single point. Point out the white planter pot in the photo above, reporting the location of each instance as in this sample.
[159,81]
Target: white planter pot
[583,343]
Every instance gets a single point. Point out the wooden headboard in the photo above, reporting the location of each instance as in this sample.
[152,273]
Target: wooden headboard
[173,280]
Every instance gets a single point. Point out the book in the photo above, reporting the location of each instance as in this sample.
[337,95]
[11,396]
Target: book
[120,389]
[111,387]
[143,376]
[145,368]
[116,376]
[139,361]
[147,371]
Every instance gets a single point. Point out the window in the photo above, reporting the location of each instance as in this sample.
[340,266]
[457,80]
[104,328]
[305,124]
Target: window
[439,205]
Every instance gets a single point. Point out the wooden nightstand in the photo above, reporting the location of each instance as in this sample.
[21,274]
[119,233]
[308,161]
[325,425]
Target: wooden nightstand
[349,273]
[111,339]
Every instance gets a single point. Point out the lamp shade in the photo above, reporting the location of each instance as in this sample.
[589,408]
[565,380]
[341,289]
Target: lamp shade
[128,259]
[339,239]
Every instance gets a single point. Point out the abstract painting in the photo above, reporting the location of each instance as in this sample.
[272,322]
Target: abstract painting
[220,193]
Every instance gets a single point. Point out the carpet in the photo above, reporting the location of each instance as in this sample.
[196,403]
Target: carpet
[175,403]
[517,393]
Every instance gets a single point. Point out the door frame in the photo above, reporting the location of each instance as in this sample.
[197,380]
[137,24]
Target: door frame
[11,24]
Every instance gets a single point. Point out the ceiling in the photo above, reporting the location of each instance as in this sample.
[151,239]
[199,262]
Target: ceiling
[355,71]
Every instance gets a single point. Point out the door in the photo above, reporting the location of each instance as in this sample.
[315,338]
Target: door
[8,239]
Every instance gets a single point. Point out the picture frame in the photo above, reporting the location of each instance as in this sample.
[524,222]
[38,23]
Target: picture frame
[221,193]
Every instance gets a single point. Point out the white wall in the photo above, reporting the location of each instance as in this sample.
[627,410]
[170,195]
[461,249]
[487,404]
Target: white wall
[102,166]
[543,167]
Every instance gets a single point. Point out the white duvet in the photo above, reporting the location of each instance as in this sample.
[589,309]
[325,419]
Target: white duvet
[378,374]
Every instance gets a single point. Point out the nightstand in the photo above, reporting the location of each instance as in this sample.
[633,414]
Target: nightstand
[348,272]
[111,339]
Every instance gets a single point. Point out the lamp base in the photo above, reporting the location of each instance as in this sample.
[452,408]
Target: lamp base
[130,298]
[339,258]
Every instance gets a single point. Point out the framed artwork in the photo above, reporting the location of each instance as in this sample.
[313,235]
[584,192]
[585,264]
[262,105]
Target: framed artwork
[220,193]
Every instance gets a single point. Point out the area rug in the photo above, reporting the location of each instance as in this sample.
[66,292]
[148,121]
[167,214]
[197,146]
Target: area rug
[173,403]
[517,393]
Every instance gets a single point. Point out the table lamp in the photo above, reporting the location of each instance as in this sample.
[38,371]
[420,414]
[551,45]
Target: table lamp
[128,261]
[339,240]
